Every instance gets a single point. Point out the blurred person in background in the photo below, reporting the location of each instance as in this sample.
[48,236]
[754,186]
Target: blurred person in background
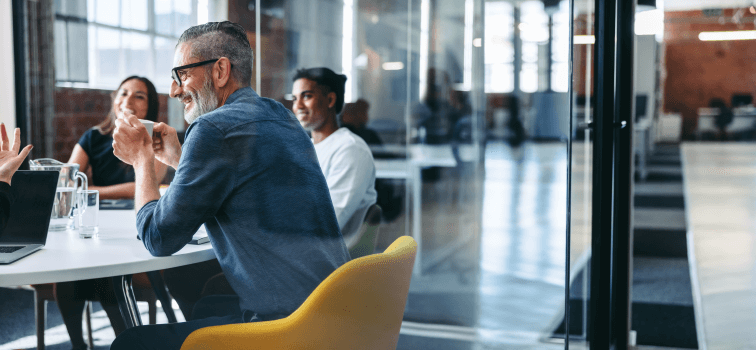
[722,119]
[355,118]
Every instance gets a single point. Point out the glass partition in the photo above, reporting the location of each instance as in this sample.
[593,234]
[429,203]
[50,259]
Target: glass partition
[581,171]
[465,106]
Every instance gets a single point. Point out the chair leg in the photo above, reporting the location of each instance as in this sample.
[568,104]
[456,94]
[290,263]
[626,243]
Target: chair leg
[158,286]
[40,313]
[152,311]
[88,315]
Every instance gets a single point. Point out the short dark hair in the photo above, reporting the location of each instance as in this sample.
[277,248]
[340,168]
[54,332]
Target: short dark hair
[222,39]
[153,105]
[328,79]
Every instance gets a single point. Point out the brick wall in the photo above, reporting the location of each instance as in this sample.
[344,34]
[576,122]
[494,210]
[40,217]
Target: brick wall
[273,43]
[77,110]
[697,71]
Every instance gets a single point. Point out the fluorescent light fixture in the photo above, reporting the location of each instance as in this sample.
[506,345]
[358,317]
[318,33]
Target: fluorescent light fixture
[346,48]
[393,65]
[584,39]
[722,36]
[424,40]
[467,75]
[477,42]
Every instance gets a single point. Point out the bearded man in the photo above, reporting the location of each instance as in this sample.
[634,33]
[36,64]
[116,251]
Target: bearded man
[248,172]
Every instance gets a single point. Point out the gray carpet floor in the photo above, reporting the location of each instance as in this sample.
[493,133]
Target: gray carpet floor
[662,301]
[17,323]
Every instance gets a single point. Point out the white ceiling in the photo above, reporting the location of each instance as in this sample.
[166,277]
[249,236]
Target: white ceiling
[681,5]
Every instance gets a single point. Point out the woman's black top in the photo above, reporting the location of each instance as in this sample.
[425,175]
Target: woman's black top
[107,169]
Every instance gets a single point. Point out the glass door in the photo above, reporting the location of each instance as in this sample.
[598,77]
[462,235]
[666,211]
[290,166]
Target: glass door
[581,172]
[469,105]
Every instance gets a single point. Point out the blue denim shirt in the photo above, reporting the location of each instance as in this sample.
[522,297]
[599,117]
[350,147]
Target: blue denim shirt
[249,172]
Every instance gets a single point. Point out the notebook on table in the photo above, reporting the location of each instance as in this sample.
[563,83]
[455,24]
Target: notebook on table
[32,197]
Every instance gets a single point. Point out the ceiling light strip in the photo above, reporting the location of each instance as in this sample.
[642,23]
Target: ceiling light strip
[725,36]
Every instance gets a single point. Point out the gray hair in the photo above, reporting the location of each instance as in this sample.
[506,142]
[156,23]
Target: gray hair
[222,39]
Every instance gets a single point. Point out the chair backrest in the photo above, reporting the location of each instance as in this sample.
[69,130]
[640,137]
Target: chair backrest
[368,235]
[359,306]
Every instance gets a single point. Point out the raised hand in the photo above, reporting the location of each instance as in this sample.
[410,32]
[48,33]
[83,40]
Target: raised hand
[10,158]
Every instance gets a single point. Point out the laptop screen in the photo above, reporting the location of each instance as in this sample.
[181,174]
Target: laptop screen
[32,197]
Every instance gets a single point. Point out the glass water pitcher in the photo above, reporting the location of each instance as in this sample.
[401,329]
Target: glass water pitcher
[66,193]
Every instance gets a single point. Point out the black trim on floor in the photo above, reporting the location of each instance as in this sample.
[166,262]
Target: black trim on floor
[654,201]
[660,243]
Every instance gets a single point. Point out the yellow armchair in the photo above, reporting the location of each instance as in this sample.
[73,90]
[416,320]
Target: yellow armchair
[359,306]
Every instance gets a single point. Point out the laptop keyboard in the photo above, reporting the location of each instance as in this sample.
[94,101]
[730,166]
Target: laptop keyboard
[9,249]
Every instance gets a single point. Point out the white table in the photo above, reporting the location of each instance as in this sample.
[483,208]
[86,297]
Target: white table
[116,253]
[409,169]
[742,120]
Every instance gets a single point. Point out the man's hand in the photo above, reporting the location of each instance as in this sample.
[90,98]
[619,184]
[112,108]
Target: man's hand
[131,142]
[165,144]
[10,159]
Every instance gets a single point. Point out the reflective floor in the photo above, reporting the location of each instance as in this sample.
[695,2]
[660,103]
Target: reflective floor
[721,217]
[503,284]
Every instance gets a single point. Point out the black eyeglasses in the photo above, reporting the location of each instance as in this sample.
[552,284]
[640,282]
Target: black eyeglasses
[175,74]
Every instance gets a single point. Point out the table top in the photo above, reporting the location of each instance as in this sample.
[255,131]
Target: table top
[418,155]
[392,169]
[117,251]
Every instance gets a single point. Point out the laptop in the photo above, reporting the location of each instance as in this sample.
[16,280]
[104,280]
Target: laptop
[32,197]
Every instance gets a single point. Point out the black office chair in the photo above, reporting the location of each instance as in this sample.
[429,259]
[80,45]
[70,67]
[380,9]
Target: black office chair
[42,294]
[741,99]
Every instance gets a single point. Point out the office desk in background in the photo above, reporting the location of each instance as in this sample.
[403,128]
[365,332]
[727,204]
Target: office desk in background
[743,120]
[416,157]
[116,253]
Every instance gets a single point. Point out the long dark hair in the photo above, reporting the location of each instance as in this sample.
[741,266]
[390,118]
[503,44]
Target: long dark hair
[153,104]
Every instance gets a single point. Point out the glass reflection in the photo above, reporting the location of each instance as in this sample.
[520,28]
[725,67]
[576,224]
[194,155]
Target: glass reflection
[460,104]
[581,172]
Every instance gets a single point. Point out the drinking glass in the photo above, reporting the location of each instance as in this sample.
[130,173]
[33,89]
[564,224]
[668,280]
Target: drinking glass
[89,208]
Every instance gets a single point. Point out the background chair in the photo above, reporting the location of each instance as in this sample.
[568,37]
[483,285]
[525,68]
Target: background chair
[359,306]
[368,233]
[42,294]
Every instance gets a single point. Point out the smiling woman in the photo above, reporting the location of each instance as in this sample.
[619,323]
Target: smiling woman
[94,151]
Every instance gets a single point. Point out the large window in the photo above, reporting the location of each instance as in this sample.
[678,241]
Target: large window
[560,47]
[499,47]
[100,42]
[544,46]
[534,34]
